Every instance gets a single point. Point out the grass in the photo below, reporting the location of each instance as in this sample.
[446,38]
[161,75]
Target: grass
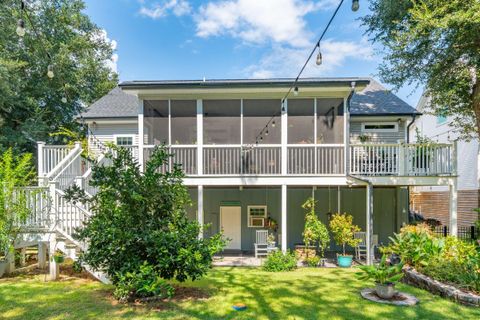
[301,294]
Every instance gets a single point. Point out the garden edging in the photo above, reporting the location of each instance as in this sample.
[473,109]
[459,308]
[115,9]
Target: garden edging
[417,279]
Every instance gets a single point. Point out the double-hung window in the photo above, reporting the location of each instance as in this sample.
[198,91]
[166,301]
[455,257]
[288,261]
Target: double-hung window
[257,216]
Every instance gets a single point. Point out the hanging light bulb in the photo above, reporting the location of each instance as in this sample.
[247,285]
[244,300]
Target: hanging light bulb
[319,58]
[266,133]
[64,100]
[261,138]
[295,91]
[50,73]
[355,5]
[273,124]
[20,28]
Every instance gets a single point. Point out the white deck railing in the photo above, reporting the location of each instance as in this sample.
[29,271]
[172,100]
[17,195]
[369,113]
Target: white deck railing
[186,156]
[402,159]
[51,156]
[69,215]
[316,160]
[38,202]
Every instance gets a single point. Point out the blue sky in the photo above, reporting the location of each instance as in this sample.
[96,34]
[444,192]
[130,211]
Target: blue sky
[192,39]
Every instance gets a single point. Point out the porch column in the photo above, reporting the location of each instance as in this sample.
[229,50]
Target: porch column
[42,255]
[284,137]
[54,268]
[141,134]
[200,137]
[284,218]
[369,229]
[23,257]
[40,151]
[453,206]
[200,210]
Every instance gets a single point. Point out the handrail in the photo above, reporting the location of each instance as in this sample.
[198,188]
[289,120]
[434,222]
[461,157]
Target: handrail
[62,194]
[71,154]
[75,157]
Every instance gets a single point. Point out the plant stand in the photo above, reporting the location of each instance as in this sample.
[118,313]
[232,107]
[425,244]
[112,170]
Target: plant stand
[399,299]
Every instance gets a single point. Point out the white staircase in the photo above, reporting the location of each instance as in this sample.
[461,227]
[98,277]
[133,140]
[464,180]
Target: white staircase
[60,167]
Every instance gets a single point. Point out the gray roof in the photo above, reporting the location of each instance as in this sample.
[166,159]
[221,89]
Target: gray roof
[115,104]
[374,100]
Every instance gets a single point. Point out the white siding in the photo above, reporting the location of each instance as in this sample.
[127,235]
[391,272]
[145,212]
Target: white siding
[105,132]
[376,137]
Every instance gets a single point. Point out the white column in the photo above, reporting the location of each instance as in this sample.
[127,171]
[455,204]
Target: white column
[40,151]
[369,224]
[42,255]
[284,136]
[23,254]
[141,134]
[10,262]
[53,266]
[453,207]
[346,135]
[284,218]
[200,137]
[200,210]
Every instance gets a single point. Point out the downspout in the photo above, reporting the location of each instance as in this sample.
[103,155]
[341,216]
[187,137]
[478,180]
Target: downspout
[408,188]
[409,125]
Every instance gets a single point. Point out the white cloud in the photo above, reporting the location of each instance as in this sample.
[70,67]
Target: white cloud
[102,36]
[164,8]
[257,21]
[283,61]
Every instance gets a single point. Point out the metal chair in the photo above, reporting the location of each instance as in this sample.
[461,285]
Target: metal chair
[261,243]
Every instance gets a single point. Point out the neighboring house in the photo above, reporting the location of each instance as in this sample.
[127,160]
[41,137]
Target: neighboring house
[433,202]
[250,159]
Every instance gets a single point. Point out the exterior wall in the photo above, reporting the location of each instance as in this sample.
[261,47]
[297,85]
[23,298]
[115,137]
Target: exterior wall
[105,132]
[377,137]
[390,209]
[434,204]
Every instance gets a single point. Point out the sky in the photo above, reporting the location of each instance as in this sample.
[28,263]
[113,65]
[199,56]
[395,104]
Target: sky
[224,39]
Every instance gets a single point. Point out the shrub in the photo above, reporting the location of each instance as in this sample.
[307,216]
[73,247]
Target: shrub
[144,283]
[381,273]
[344,230]
[278,261]
[315,232]
[313,261]
[141,218]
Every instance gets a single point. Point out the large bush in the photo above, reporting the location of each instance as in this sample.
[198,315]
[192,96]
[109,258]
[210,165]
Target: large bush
[315,233]
[278,261]
[445,259]
[140,220]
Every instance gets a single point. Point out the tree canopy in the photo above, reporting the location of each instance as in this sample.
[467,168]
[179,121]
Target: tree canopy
[437,44]
[59,34]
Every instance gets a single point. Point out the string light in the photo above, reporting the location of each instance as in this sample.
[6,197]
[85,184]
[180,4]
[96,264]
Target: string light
[355,5]
[20,28]
[295,91]
[64,99]
[319,56]
[50,73]
[273,124]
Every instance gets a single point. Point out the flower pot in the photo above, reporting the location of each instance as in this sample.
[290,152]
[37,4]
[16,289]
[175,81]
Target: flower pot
[344,261]
[385,290]
[58,259]
[3,267]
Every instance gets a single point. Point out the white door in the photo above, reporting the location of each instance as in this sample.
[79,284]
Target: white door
[231,224]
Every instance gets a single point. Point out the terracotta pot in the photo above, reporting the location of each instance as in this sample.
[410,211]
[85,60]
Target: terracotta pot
[385,291]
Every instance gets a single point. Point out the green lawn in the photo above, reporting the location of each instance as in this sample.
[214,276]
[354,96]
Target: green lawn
[302,294]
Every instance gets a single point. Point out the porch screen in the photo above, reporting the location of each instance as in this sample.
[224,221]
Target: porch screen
[221,121]
[256,113]
[155,121]
[300,121]
[183,121]
[330,121]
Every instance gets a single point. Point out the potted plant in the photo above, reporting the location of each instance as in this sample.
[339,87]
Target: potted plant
[384,275]
[58,257]
[271,240]
[343,231]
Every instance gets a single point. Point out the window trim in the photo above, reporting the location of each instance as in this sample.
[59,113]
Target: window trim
[116,136]
[395,127]
[249,218]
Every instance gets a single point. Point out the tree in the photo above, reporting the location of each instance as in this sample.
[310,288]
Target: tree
[315,233]
[140,219]
[32,104]
[435,43]
[15,172]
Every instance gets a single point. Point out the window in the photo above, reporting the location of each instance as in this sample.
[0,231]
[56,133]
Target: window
[257,216]
[256,114]
[183,121]
[155,121]
[330,121]
[221,121]
[300,121]
[124,140]
[380,127]
[441,120]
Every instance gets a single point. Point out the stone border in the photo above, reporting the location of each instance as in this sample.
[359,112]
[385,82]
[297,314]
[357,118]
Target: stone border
[401,298]
[419,280]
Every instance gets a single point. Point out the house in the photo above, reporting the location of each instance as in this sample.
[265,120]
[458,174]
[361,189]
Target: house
[252,158]
[432,201]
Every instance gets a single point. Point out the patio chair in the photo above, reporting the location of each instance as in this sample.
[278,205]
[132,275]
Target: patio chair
[361,248]
[261,243]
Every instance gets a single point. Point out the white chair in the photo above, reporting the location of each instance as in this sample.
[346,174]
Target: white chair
[361,248]
[261,243]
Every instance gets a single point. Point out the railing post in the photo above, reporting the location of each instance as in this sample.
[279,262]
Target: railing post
[40,164]
[140,134]
[402,159]
[284,137]
[200,137]
[454,158]
[52,192]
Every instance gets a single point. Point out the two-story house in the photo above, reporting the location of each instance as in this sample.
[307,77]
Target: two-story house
[251,157]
